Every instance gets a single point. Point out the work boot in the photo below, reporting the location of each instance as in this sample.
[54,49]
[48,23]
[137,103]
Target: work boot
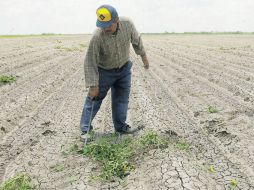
[127,130]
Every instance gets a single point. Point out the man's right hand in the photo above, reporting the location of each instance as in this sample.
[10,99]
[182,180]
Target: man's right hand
[93,92]
[145,61]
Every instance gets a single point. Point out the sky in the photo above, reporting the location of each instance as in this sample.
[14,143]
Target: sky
[149,16]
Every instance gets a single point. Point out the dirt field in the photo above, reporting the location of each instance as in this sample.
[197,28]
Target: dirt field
[40,112]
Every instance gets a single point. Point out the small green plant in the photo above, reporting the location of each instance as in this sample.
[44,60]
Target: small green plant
[211,169]
[182,145]
[152,139]
[233,183]
[63,151]
[58,167]
[19,182]
[73,148]
[68,150]
[117,158]
[212,109]
[72,179]
[4,79]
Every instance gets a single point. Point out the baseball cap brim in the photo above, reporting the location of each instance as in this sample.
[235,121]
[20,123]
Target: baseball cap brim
[104,24]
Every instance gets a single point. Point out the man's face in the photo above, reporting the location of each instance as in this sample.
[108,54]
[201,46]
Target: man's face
[111,29]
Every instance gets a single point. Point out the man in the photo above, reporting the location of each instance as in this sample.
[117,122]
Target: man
[107,66]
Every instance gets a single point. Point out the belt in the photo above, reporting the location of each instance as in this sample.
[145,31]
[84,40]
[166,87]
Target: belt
[118,69]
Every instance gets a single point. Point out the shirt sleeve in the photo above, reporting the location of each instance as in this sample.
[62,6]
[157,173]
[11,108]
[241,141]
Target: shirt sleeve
[91,62]
[136,41]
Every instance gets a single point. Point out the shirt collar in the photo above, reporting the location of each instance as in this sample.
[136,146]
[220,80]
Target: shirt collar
[117,28]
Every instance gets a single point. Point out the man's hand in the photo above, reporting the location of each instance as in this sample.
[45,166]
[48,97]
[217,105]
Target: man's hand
[93,92]
[145,61]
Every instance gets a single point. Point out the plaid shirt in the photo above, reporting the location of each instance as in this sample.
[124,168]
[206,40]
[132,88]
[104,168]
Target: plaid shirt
[111,51]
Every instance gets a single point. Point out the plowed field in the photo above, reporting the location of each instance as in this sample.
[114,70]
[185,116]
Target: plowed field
[40,112]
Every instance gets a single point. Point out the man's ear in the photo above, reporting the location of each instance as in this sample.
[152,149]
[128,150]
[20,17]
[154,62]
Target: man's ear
[116,20]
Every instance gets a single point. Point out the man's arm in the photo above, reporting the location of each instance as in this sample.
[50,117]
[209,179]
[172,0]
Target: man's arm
[91,67]
[137,44]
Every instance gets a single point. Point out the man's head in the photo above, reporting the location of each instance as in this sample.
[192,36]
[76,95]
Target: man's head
[107,18]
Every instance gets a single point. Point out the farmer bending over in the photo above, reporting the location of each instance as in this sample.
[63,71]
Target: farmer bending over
[107,66]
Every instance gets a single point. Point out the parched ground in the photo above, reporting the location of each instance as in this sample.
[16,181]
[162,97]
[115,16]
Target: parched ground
[40,112]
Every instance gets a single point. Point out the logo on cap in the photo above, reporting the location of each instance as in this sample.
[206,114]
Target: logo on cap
[103,14]
[102,17]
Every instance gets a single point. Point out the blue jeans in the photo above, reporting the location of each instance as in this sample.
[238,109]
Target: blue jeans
[119,80]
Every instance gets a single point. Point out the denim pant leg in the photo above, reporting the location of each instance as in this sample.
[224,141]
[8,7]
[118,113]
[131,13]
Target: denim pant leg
[86,113]
[105,82]
[120,97]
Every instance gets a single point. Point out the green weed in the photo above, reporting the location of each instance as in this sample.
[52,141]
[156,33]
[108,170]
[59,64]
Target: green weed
[68,150]
[117,158]
[113,157]
[72,179]
[211,169]
[233,183]
[19,182]
[58,167]
[212,109]
[182,145]
[151,139]
[4,79]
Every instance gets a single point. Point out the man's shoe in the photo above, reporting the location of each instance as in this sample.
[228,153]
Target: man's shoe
[127,130]
[87,135]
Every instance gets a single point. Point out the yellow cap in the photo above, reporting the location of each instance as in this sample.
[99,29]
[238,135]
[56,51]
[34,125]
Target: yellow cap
[103,14]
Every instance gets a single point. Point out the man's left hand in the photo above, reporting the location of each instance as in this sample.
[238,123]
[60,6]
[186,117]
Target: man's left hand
[145,61]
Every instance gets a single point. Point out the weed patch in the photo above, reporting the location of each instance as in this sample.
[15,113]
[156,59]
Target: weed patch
[117,158]
[58,168]
[7,79]
[19,182]
[68,150]
[152,140]
[182,145]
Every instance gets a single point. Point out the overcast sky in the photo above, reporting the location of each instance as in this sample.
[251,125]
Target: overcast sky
[78,16]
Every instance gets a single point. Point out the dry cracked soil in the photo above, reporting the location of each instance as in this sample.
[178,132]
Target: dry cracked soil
[40,112]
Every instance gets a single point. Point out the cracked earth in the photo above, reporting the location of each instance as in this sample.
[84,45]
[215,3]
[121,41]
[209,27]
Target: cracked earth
[40,112]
